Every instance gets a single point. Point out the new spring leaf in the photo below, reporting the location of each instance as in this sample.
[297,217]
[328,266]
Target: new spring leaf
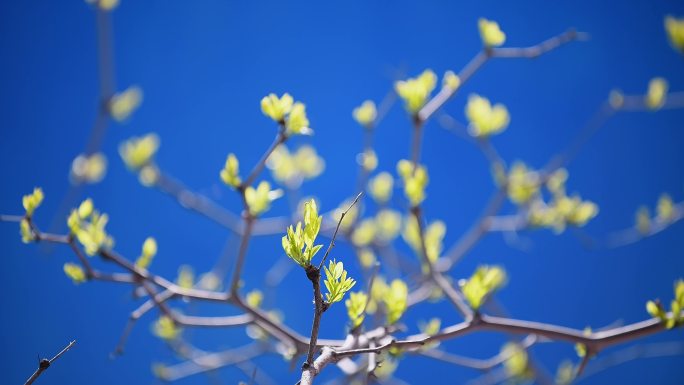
[675,32]
[336,281]
[365,114]
[137,152]
[32,201]
[416,91]
[356,305]
[415,181]
[490,33]
[485,119]
[395,300]
[299,242]
[259,199]
[149,250]
[230,174]
[482,284]
[88,225]
[75,273]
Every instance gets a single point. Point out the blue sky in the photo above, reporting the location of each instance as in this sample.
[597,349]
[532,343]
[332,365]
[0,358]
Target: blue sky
[204,66]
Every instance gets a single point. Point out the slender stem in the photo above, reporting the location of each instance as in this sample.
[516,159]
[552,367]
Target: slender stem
[378,349]
[475,233]
[11,218]
[45,363]
[541,48]
[483,56]
[416,142]
[212,361]
[339,222]
[452,294]
[66,348]
[659,349]
[583,364]
[135,316]
[213,211]
[367,146]
[204,206]
[478,364]
[107,80]
[632,234]
[107,85]
[244,242]
[82,258]
[106,53]
[281,332]
[597,120]
[279,139]
[314,276]
[385,106]
[446,92]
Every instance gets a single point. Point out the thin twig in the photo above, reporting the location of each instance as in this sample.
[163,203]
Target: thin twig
[11,218]
[45,363]
[244,242]
[451,293]
[474,233]
[211,361]
[339,222]
[280,139]
[107,87]
[201,204]
[135,316]
[597,120]
[416,142]
[314,275]
[659,349]
[583,364]
[483,56]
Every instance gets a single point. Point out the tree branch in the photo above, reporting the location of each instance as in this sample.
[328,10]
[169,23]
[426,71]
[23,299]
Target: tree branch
[45,363]
[483,56]
[280,138]
[339,222]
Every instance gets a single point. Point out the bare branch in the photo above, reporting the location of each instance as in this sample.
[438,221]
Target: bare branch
[280,139]
[659,349]
[45,363]
[314,275]
[199,203]
[242,253]
[483,56]
[339,222]
[474,233]
[211,361]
